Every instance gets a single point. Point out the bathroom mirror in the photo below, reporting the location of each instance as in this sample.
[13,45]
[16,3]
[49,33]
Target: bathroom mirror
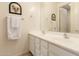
[60,17]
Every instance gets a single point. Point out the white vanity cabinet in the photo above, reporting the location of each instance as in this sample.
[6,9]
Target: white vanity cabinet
[58,51]
[42,47]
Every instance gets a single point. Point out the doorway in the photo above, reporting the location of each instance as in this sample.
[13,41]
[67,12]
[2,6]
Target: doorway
[64,18]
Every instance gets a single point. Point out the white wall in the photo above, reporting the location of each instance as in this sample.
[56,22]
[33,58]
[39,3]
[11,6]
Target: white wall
[31,21]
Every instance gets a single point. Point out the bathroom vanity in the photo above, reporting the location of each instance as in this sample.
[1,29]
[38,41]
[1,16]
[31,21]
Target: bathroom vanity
[51,45]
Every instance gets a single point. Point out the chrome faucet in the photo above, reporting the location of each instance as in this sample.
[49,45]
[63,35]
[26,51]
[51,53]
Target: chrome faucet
[66,36]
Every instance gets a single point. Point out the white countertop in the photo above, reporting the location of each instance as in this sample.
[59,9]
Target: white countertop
[71,44]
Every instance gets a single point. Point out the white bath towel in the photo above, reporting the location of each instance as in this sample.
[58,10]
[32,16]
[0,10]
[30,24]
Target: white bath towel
[13,27]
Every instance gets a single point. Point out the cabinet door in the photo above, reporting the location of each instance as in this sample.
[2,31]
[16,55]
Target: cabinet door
[57,51]
[51,50]
[37,52]
[32,44]
[37,46]
[44,48]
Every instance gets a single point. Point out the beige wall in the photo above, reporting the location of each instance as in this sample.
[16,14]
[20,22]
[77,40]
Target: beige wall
[47,9]
[31,21]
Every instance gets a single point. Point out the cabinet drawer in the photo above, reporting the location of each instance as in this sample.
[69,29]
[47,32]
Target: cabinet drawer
[59,51]
[44,44]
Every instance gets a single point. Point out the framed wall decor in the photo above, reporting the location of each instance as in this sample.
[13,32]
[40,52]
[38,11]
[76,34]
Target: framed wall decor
[53,17]
[15,8]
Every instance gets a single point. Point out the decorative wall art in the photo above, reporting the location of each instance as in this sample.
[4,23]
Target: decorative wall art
[53,17]
[15,8]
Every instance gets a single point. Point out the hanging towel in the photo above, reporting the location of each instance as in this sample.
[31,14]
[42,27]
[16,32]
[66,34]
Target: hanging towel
[13,27]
